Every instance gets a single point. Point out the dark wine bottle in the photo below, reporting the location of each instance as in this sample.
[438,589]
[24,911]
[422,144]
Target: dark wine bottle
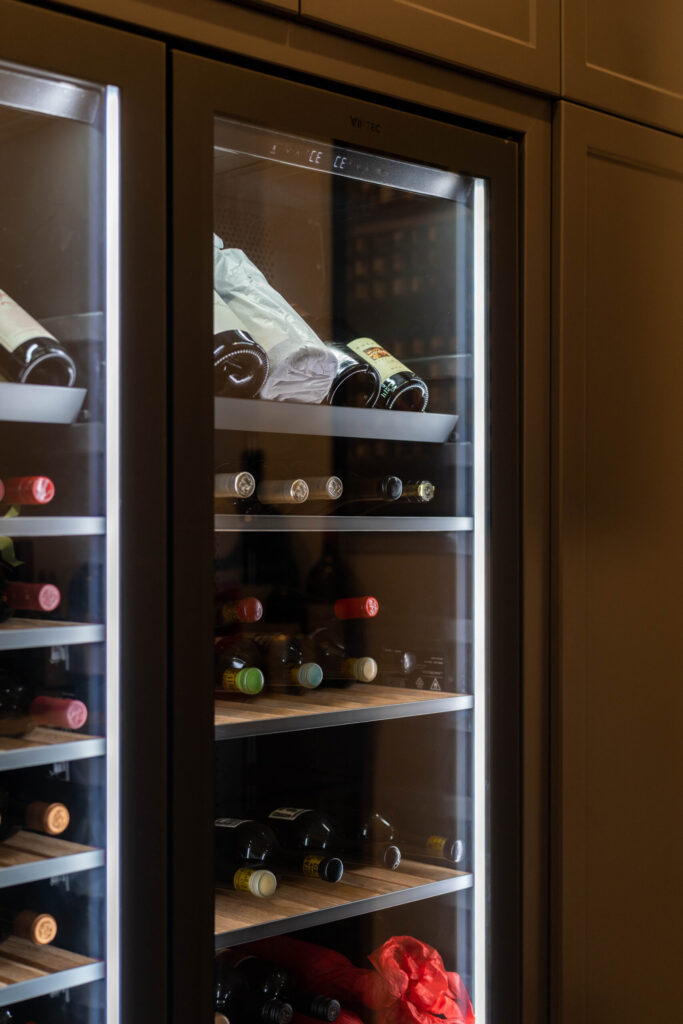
[21,710]
[318,1007]
[242,1006]
[282,492]
[248,842]
[432,847]
[356,383]
[370,838]
[324,488]
[236,664]
[401,389]
[240,364]
[271,979]
[285,663]
[40,929]
[230,612]
[337,665]
[28,353]
[418,491]
[371,489]
[27,490]
[233,485]
[395,661]
[50,818]
[31,597]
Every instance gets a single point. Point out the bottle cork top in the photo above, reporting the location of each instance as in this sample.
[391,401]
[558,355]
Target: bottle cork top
[60,712]
[250,680]
[30,490]
[356,607]
[365,669]
[52,819]
[249,609]
[262,883]
[41,929]
[310,675]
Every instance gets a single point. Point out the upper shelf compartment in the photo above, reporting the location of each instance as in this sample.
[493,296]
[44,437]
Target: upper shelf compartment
[331,420]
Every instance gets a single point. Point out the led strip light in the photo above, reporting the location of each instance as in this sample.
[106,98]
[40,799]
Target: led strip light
[480,601]
[112,227]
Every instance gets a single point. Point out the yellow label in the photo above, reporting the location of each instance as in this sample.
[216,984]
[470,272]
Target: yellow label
[229,679]
[228,613]
[311,865]
[385,364]
[436,844]
[240,879]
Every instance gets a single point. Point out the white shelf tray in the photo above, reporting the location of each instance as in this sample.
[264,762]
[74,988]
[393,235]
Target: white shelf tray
[36,403]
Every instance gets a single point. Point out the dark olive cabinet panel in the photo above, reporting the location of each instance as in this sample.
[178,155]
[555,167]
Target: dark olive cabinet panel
[626,58]
[618,898]
[515,39]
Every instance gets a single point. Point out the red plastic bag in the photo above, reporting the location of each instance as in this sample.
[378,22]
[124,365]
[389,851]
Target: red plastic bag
[420,984]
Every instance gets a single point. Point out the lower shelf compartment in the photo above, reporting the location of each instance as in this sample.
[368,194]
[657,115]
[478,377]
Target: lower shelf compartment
[361,702]
[47,746]
[28,971]
[308,902]
[29,857]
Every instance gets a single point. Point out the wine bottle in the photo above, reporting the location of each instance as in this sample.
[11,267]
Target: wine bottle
[370,838]
[40,929]
[282,492]
[401,388]
[240,1004]
[418,491]
[27,490]
[240,364]
[230,612]
[356,607]
[28,353]
[21,711]
[248,842]
[356,383]
[218,1018]
[271,979]
[325,488]
[33,597]
[285,662]
[236,661]
[233,485]
[50,818]
[395,661]
[432,847]
[244,878]
[371,489]
[336,663]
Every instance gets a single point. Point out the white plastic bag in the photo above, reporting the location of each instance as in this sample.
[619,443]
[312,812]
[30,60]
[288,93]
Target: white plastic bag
[302,368]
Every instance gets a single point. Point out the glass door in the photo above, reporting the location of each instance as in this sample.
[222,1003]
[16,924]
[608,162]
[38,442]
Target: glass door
[64,211]
[355,841]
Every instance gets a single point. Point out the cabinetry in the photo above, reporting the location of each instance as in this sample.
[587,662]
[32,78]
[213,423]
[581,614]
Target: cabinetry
[402,244]
[72,96]
[618,562]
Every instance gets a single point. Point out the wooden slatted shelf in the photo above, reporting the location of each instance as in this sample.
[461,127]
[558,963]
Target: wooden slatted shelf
[28,857]
[47,746]
[28,971]
[307,902]
[360,702]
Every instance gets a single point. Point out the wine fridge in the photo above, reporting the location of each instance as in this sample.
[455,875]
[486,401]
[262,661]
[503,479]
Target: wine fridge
[82,825]
[345,819]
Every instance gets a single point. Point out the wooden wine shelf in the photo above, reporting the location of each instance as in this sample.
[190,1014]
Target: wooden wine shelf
[18,634]
[360,702]
[48,746]
[307,902]
[53,526]
[28,971]
[28,857]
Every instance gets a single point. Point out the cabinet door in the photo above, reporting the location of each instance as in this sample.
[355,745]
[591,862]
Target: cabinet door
[515,39]
[625,58]
[619,644]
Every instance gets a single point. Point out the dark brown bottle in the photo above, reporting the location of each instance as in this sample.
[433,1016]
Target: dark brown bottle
[357,383]
[30,597]
[240,364]
[240,1004]
[401,389]
[29,354]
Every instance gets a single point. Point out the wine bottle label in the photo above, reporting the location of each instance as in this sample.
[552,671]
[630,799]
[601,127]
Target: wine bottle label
[229,679]
[435,844]
[385,364]
[311,865]
[230,822]
[224,318]
[289,813]
[240,879]
[16,326]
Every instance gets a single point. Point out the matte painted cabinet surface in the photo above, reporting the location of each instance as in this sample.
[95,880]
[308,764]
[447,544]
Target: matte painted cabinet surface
[515,39]
[619,707]
[625,58]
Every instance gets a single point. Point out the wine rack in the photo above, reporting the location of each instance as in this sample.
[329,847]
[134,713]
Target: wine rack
[27,971]
[305,903]
[30,857]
